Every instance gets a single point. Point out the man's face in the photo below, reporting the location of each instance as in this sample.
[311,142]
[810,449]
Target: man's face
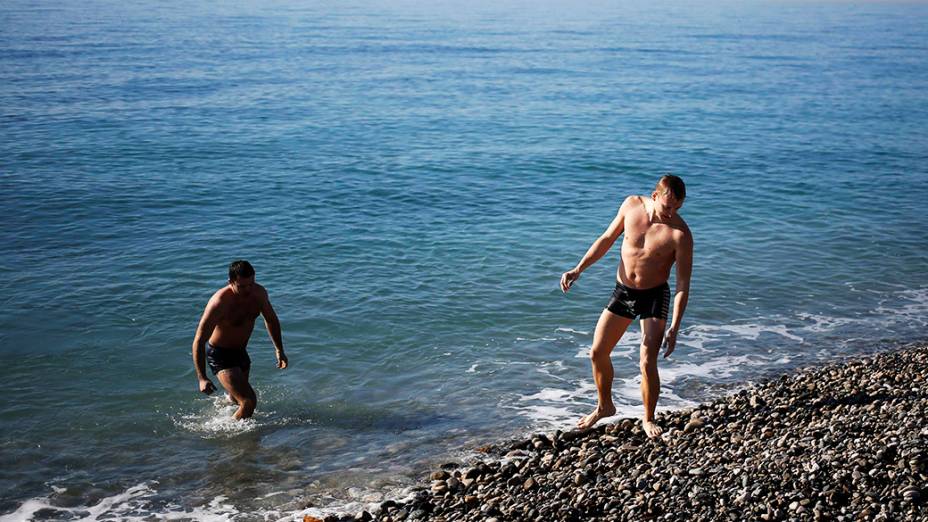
[243,285]
[665,204]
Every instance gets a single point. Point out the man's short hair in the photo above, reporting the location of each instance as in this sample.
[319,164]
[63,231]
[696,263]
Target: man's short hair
[673,184]
[240,268]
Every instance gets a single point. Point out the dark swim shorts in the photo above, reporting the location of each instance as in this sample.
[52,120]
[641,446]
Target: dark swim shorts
[224,358]
[632,302]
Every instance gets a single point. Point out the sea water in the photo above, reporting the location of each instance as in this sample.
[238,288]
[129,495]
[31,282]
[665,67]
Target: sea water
[410,181]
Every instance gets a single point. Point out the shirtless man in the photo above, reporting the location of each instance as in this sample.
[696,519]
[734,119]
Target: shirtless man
[656,237]
[227,322]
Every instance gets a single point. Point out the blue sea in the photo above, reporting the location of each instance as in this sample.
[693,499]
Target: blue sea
[409,180]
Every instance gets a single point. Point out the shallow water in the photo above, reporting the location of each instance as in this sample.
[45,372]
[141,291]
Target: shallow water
[409,182]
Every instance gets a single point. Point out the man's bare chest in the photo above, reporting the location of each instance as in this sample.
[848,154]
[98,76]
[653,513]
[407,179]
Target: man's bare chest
[649,238]
[240,314]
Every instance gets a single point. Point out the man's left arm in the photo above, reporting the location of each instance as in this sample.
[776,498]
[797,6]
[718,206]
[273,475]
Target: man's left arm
[272,323]
[684,262]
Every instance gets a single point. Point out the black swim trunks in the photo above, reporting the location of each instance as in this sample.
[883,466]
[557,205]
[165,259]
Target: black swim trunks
[632,302]
[224,358]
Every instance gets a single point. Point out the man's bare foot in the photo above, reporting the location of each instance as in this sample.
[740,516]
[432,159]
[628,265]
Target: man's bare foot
[651,429]
[593,418]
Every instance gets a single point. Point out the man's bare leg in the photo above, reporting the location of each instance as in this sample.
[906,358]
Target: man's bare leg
[609,329]
[652,335]
[235,381]
[232,399]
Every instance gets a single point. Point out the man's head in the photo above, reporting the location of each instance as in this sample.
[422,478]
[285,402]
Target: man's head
[668,195]
[241,277]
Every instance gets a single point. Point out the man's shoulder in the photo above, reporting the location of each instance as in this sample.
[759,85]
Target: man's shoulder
[219,300]
[222,295]
[633,202]
[684,229]
[259,295]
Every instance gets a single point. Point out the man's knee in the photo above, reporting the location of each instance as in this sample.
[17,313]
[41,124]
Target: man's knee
[647,359]
[599,353]
[647,365]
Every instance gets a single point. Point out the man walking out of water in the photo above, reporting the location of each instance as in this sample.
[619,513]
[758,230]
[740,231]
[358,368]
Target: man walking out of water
[225,328]
[656,237]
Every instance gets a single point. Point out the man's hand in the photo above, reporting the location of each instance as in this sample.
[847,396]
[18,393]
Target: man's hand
[568,278]
[670,341]
[281,360]
[206,386]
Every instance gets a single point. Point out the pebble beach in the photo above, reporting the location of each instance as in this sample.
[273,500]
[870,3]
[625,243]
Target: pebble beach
[841,442]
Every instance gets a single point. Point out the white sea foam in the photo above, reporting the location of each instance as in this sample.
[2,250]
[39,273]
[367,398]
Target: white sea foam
[138,504]
[715,368]
[907,305]
[748,331]
[216,421]
[822,323]
[629,391]
[696,339]
[132,505]
[547,415]
[571,330]
[558,407]
[551,369]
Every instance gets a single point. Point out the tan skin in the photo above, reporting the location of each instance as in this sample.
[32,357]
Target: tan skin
[228,321]
[656,239]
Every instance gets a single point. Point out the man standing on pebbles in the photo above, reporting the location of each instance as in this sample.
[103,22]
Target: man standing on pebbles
[656,237]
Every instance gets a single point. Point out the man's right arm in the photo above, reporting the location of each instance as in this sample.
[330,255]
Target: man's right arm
[204,331]
[599,247]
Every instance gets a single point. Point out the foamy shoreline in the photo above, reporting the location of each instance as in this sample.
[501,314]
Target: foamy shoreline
[840,442]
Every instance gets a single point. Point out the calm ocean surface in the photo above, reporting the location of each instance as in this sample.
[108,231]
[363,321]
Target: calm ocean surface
[409,182]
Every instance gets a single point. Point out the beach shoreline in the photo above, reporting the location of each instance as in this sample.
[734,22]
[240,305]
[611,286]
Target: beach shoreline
[846,441]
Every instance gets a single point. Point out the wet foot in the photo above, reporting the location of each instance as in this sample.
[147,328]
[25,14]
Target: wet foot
[651,429]
[593,418]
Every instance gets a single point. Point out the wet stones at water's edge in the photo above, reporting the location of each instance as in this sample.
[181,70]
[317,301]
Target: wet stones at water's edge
[843,442]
